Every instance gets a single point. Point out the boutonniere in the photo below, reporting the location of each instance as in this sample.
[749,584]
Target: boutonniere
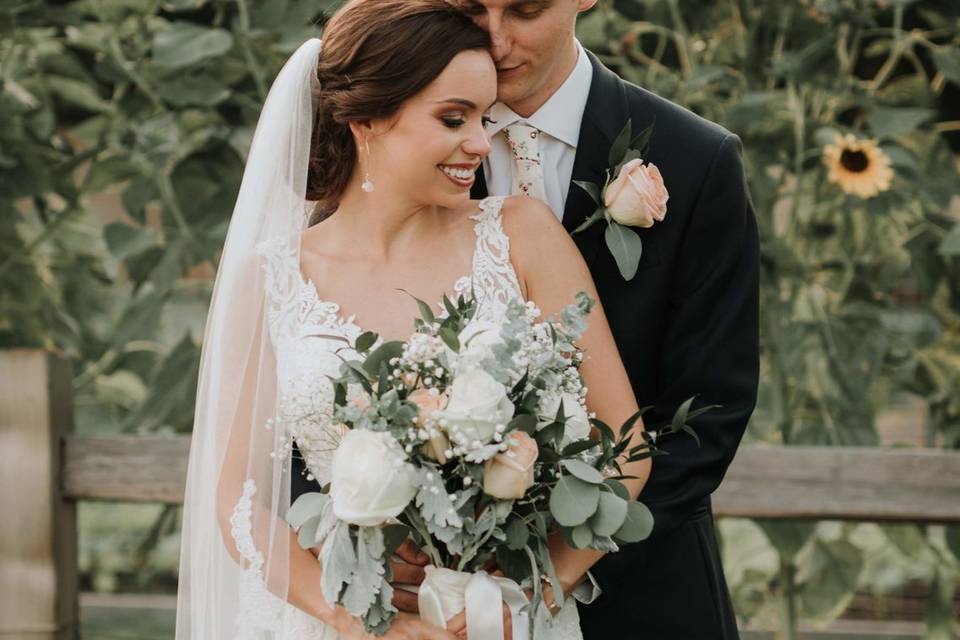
[633,195]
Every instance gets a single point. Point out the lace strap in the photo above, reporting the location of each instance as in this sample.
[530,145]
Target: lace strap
[494,280]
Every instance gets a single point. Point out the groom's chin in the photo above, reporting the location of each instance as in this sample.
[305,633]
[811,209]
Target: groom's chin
[506,92]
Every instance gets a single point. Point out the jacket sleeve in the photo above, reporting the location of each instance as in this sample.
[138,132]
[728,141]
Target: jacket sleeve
[711,347]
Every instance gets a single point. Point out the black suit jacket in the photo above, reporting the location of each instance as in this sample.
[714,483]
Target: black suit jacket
[686,324]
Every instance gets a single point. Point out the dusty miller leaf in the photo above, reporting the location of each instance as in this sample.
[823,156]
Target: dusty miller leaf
[339,562]
[367,577]
[434,501]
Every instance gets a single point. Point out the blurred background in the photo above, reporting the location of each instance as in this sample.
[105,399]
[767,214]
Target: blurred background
[123,129]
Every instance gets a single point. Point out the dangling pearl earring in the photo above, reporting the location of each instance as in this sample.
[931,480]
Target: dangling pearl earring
[367,184]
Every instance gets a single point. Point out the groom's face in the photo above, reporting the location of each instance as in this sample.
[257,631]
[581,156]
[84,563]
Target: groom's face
[533,46]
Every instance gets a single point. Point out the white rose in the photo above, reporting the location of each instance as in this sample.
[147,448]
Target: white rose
[477,340]
[478,403]
[479,334]
[577,422]
[637,197]
[371,481]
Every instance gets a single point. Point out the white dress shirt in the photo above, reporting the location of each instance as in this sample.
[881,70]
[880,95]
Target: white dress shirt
[559,121]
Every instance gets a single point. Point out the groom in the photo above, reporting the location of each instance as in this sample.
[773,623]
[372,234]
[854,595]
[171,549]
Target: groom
[686,324]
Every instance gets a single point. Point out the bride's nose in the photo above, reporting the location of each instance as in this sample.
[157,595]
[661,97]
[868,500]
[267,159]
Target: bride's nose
[477,143]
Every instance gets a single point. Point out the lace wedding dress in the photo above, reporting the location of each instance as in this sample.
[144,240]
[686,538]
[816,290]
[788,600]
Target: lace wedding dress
[301,324]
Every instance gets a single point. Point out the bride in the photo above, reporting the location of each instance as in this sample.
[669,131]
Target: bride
[356,186]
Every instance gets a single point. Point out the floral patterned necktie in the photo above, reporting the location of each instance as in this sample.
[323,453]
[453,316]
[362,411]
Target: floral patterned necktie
[524,142]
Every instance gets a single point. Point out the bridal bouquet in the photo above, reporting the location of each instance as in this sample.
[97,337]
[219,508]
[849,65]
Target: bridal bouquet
[473,439]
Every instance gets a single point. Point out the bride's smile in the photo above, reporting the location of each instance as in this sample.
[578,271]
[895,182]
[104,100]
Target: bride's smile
[460,175]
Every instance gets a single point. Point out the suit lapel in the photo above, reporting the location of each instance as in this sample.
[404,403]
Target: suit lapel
[604,116]
[588,166]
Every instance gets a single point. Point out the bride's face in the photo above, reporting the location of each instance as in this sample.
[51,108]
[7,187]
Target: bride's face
[431,148]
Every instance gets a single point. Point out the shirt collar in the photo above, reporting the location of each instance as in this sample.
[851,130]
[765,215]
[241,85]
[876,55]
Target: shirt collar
[561,114]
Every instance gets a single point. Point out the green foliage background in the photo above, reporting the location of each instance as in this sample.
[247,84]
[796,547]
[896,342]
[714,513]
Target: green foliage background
[125,125]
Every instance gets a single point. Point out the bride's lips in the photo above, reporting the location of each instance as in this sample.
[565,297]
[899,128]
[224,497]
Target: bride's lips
[467,174]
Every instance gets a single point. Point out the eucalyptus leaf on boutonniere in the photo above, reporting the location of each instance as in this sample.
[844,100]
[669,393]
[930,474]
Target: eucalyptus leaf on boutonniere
[633,195]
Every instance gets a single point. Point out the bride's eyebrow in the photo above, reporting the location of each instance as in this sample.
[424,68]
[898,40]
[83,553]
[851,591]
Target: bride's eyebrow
[463,102]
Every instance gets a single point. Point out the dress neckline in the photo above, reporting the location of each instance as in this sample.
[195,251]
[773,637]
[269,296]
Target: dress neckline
[334,312]
[487,207]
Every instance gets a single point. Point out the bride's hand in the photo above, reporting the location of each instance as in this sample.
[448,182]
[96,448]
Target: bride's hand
[457,625]
[405,627]
[411,627]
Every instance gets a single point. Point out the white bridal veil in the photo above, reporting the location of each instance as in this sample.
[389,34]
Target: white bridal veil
[236,545]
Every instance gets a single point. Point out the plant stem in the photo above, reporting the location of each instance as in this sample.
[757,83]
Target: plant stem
[169,198]
[133,76]
[896,51]
[681,37]
[255,70]
[778,379]
[788,611]
[420,527]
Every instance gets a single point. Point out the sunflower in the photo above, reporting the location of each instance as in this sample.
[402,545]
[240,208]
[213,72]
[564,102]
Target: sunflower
[859,167]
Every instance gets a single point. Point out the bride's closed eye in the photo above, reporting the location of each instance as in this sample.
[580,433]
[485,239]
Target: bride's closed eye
[455,123]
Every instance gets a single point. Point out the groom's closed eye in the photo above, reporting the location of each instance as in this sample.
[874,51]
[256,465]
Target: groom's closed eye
[527,9]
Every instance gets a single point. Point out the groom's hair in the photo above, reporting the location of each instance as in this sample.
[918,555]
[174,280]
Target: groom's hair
[376,54]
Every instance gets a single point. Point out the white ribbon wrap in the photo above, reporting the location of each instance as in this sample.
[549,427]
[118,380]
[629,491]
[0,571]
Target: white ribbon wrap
[444,593]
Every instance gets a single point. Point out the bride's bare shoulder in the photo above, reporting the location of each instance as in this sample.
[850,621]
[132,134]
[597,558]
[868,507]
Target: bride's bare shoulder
[534,230]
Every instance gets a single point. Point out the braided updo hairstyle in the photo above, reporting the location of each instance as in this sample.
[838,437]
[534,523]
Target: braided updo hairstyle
[376,54]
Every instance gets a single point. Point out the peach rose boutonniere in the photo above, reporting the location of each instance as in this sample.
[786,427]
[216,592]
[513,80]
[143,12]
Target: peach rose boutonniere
[633,196]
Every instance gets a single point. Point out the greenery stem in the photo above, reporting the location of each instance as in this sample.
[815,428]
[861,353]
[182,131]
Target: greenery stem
[788,610]
[244,39]
[682,36]
[896,51]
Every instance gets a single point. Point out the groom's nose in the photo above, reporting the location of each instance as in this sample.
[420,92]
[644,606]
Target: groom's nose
[499,37]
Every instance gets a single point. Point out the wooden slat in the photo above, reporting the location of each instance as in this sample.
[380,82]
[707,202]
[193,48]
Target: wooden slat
[848,483]
[915,485]
[135,468]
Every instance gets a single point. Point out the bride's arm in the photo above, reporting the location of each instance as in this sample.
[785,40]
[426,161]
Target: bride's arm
[298,580]
[302,571]
[551,272]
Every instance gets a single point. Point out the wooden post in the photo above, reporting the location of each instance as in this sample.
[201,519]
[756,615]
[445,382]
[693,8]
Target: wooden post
[38,532]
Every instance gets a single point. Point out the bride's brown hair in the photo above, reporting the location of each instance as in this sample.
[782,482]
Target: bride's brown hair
[376,54]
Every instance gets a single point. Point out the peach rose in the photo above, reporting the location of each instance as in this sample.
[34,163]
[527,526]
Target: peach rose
[427,403]
[509,474]
[637,198]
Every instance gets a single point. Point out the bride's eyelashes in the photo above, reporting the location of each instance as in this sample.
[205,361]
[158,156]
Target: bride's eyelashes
[456,123]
